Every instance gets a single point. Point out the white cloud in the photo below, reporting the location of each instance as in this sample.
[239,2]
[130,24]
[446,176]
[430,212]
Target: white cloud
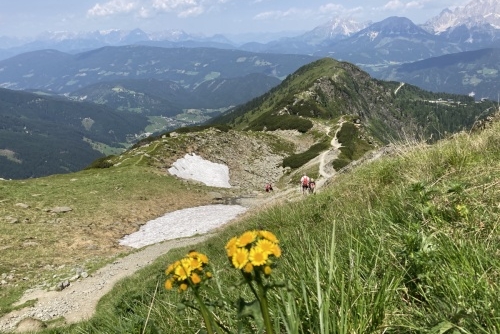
[292,13]
[397,4]
[172,5]
[319,13]
[183,8]
[339,10]
[394,5]
[331,8]
[193,11]
[111,8]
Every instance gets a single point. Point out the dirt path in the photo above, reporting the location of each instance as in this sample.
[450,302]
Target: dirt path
[78,301]
[397,89]
[325,159]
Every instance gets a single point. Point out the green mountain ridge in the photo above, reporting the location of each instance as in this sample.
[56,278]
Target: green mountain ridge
[327,89]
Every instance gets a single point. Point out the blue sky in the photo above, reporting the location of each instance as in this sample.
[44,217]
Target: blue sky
[27,18]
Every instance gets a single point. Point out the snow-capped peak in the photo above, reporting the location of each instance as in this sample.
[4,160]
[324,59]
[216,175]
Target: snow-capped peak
[476,12]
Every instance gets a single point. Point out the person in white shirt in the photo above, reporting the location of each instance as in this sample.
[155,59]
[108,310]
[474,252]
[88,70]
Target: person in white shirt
[304,181]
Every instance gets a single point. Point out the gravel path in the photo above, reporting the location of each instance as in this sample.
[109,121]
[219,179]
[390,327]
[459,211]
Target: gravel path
[78,301]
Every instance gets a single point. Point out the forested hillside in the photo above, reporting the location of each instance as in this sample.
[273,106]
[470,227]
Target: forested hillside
[327,89]
[42,135]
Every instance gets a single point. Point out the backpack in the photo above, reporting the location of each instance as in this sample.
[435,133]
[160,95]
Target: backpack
[305,181]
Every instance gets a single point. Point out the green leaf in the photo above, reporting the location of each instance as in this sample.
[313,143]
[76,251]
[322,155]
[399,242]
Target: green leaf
[251,309]
[442,327]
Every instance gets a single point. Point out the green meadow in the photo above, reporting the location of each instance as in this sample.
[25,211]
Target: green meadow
[409,243]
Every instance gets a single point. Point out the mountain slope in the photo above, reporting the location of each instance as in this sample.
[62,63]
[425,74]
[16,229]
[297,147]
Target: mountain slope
[328,89]
[475,72]
[43,135]
[168,98]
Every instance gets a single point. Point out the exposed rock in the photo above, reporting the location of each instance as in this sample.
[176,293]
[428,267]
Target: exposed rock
[11,220]
[61,209]
[22,205]
[63,285]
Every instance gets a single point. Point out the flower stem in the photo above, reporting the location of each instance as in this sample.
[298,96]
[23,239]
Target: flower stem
[205,313]
[264,307]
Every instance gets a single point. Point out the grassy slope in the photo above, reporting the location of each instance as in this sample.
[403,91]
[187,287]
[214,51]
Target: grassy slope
[106,205]
[406,244]
[43,248]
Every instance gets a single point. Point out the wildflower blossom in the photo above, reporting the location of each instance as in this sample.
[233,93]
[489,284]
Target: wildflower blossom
[231,246]
[240,258]
[267,270]
[253,253]
[188,271]
[257,256]
[246,238]
[253,250]
[269,236]
[248,268]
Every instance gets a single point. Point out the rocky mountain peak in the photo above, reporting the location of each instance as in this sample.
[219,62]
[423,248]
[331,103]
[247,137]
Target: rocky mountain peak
[337,28]
[393,26]
[344,26]
[476,12]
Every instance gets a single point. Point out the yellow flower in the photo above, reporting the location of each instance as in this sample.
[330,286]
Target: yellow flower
[248,268]
[171,267]
[257,256]
[231,250]
[195,278]
[246,238]
[276,251]
[168,284]
[267,270]
[203,258]
[183,270]
[268,236]
[231,246]
[194,263]
[183,287]
[198,256]
[240,258]
[208,274]
[231,242]
[266,246]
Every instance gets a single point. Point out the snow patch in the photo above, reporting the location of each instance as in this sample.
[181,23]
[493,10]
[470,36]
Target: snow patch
[196,168]
[182,223]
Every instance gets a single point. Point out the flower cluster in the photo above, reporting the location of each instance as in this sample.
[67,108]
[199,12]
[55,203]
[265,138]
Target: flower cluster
[253,250]
[189,271]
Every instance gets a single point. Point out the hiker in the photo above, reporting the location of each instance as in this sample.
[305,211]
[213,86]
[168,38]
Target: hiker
[269,187]
[312,186]
[304,181]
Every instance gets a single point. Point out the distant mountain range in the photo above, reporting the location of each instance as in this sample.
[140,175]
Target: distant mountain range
[472,27]
[60,72]
[43,135]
